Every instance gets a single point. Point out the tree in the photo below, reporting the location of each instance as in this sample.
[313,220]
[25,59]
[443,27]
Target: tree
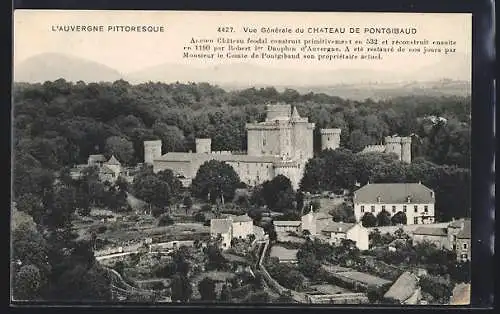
[383,219]
[120,147]
[399,218]
[152,190]
[343,213]
[188,203]
[368,220]
[27,283]
[181,288]
[225,294]
[217,179]
[165,220]
[206,287]
[278,193]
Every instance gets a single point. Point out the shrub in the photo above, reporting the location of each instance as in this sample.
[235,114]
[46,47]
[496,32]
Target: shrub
[165,220]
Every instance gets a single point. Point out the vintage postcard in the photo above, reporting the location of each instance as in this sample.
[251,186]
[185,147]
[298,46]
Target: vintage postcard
[241,157]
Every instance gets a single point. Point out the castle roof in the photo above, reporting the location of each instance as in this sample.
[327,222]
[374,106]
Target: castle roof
[219,226]
[113,161]
[188,157]
[394,193]
[338,227]
[373,149]
[295,113]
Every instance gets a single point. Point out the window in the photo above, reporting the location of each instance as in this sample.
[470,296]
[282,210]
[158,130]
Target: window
[415,220]
[464,256]
[383,207]
[373,209]
[362,208]
[465,246]
[426,208]
[393,209]
[404,208]
[415,208]
[263,142]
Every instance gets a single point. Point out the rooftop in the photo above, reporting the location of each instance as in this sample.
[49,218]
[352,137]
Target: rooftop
[287,223]
[242,218]
[394,193]
[465,233]
[338,227]
[403,287]
[441,232]
[98,157]
[113,161]
[219,226]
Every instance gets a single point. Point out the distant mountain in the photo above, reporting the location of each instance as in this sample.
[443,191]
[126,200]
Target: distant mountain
[356,84]
[53,66]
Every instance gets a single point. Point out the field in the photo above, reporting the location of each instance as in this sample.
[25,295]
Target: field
[364,278]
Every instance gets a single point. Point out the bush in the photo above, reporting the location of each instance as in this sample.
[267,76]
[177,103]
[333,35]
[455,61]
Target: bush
[199,217]
[165,220]
[206,208]
[440,289]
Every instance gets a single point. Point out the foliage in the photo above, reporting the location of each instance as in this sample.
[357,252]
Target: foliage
[120,147]
[216,179]
[27,283]
[206,287]
[343,213]
[157,189]
[286,275]
[181,288]
[277,194]
[165,220]
[399,218]
[440,289]
[383,218]
[225,294]
[369,220]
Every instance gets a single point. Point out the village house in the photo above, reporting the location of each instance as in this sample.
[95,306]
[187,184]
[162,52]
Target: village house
[314,222]
[456,237]
[222,229]
[242,226]
[109,170]
[415,200]
[338,231]
[287,226]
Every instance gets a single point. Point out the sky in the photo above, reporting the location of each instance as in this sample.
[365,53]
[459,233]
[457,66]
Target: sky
[128,52]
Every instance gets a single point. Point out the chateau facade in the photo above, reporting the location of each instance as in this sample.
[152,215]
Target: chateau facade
[415,200]
[280,145]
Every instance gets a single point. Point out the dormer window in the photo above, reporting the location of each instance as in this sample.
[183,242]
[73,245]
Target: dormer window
[378,199]
[408,199]
[432,194]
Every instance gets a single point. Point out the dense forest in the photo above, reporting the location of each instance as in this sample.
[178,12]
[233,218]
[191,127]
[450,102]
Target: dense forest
[61,123]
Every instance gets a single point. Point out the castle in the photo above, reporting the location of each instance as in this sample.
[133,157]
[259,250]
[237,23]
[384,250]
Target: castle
[280,145]
[401,146]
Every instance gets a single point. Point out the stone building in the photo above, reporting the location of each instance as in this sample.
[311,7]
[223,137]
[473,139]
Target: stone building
[400,146]
[338,231]
[415,200]
[280,145]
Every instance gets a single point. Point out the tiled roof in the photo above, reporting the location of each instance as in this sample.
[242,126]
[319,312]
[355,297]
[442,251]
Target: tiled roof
[218,226]
[182,156]
[394,193]
[403,288]
[459,223]
[287,223]
[373,149]
[113,161]
[339,227]
[442,232]
[465,233]
[242,218]
[105,169]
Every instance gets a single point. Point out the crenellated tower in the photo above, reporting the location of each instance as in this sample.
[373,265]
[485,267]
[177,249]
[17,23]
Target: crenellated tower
[152,151]
[330,138]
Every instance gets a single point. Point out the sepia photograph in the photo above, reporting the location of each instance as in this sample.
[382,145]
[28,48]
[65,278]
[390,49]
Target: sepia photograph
[173,157]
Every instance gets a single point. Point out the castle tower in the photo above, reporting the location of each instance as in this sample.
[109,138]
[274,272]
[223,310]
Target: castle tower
[203,145]
[393,145]
[330,138]
[152,151]
[406,149]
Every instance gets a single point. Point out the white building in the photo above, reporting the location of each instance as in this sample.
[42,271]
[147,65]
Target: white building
[315,222]
[338,231]
[222,228]
[242,226]
[414,199]
[286,225]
